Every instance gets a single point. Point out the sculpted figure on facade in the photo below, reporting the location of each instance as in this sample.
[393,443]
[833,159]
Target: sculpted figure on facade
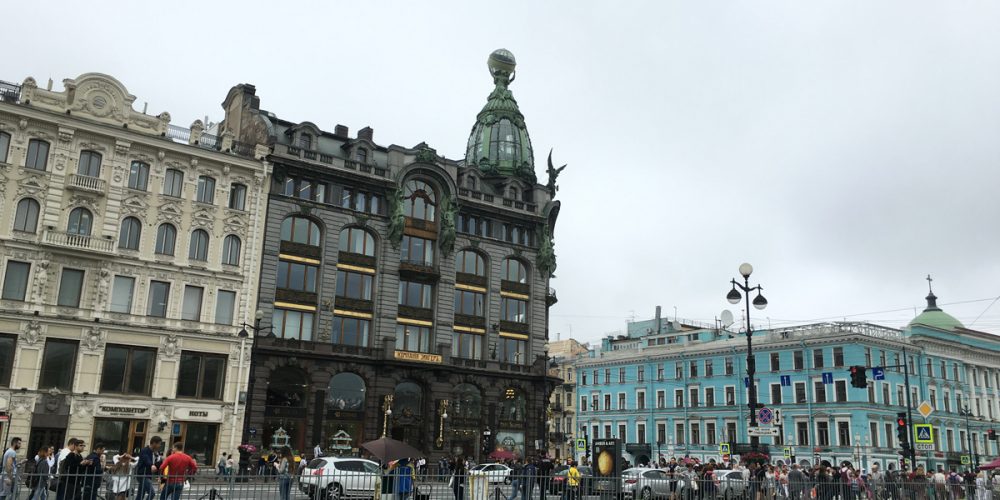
[449,210]
[396,218]
[32,333]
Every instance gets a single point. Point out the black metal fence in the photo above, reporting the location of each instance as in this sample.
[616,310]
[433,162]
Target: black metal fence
[342,481]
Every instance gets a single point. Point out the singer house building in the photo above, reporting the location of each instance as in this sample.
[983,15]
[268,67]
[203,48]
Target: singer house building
[402,293]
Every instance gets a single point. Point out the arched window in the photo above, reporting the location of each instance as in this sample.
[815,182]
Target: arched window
[305,141]
[419,200]
[300,230]
[407,400]
[513,270]
[512,405]
[231,250]
[80,222]
[470,262]
[90,164]
[26,217]
[357,240]
[166,237]
[287,388]
[470,181]
[128,236]
[362,155]
[346,392]
[513,193]
[468,402]
[198,250]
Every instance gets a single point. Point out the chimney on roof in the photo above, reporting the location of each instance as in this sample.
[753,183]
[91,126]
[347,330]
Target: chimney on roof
[340,130]
[367,134]
[659,321]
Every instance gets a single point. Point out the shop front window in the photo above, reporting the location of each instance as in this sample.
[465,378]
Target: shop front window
[512,405]
[287,388]
[407,400]
[346,392]
[467,402]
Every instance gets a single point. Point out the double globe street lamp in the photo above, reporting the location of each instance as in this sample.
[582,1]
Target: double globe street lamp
[734,297]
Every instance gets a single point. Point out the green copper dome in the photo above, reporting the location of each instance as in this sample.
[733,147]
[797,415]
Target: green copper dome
[499,142]
[934,317]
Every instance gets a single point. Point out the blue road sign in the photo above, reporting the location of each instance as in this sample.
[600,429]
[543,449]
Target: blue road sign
[765,415]
[786,380]
[878,373]
[827,378]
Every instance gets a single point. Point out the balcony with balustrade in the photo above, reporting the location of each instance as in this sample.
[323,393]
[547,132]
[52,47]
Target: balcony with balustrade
[63,239]
[87,183]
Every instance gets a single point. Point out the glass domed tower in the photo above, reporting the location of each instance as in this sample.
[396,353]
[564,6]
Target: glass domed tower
[499,142]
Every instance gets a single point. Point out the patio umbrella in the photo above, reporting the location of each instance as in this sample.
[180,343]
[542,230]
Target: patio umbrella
[388,449]
[502,455]
[992,465]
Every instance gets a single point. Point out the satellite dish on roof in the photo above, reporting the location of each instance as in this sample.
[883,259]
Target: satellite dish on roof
[727,318]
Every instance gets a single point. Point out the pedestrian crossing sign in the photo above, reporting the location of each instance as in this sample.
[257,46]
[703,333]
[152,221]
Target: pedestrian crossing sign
[966,460]
[724,448]
[924,433]
[581,444]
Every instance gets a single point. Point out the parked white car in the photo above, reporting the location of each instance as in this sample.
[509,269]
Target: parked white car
[495,473]
[333,478]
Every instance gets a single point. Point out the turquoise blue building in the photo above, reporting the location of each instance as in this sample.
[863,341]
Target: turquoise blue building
[672,389]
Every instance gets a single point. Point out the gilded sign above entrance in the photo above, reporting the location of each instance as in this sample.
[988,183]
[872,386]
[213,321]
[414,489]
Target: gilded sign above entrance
[422,357]
[113,410]
[203,414]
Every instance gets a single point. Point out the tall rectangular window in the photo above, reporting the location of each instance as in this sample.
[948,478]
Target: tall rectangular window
[640,433]
[693,369]
[206,190]
[730,395]
[694,396]
[640,374]
[607,402]
[844,433]
[201,376]
[819,392]
[695,433]
[679,398]
[70,287]
[159,295]
[659,372]
[58,365]
[469,303]
[15,280]
[4,146]
[621,401]
[729,366]
[225,303]
[775,362]
[173,183]
[838,356]
[709,433]
[417,251]
[640,400]
[237,196]
[192,303]
[841,389]
[709,368]
[121,294]
[138,176]
[38,155]
[889,436]
[679,434]
[661,399]
[415,294]
[127,370]
[823,433]
[800,392]
[802,433]
[710,396]
[817,358]
[621,375]
[798,362]
[661,433]
[514,310]
[7,343]
[776,394]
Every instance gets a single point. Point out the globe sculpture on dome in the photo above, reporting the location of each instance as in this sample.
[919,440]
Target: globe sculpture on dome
[499,144]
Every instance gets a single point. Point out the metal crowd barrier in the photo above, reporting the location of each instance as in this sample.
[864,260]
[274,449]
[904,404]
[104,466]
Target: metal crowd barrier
[439,485]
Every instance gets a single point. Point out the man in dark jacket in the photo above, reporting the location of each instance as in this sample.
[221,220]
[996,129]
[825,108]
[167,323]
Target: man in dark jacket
[544,476]
[93,470]
[797,482]
[146,469]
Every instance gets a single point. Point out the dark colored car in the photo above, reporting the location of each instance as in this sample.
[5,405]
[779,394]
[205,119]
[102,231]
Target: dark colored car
[558,482]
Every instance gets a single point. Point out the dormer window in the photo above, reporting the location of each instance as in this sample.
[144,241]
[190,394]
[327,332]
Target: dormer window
[305,141]
[513,193]
[470,181]
[361,156]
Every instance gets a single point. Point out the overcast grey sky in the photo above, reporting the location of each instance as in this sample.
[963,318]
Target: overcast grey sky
[845,148]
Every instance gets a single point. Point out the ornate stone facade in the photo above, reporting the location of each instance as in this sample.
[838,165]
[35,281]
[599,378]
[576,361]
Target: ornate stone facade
[86,184]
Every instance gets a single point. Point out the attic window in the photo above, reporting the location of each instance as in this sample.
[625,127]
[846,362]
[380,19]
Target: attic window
[513,193]
[470,181]
[361,156]
[305,141]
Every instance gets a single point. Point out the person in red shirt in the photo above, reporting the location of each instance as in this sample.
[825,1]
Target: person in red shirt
[176,468]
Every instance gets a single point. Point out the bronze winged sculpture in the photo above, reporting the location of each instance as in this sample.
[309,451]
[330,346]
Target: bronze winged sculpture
[553,175]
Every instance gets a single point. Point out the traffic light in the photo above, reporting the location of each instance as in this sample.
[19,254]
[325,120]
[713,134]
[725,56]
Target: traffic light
[902,432]
[991,434]
[859,377]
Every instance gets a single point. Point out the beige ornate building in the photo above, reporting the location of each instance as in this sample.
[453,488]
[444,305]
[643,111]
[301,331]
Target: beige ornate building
[562,413]
[129,250]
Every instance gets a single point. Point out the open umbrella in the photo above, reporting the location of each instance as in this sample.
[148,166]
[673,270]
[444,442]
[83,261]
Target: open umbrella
[387,449]
[992,465]
[502,455]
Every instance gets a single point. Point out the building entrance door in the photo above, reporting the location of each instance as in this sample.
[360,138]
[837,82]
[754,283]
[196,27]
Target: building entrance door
[45,436]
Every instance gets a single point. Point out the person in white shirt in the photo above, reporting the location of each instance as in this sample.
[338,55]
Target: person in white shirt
[317,451]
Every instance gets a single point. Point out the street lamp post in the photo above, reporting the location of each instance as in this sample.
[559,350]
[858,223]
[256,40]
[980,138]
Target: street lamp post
[759,302]
[257,329]
[966,412]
